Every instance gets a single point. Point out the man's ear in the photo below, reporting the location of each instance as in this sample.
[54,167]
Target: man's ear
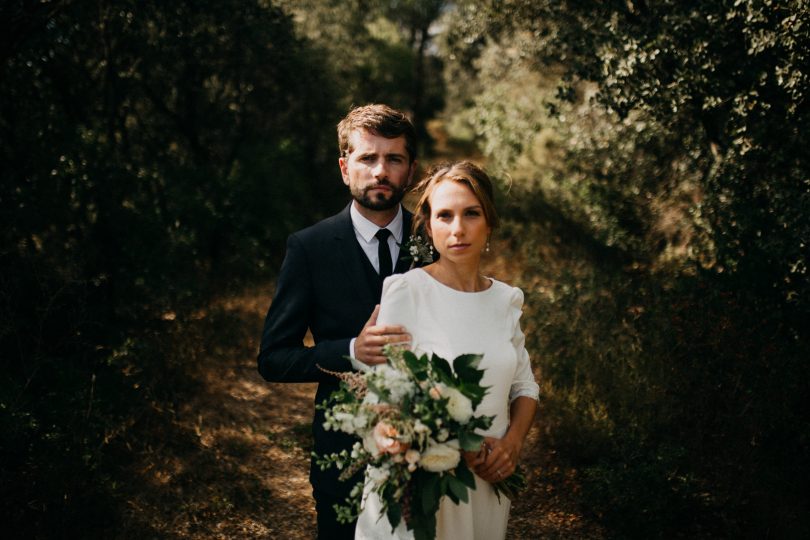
[343,163]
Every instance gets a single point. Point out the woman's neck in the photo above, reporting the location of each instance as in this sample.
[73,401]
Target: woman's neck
[461,277]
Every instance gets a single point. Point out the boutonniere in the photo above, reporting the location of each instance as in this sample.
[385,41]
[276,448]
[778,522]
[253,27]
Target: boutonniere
[417,250]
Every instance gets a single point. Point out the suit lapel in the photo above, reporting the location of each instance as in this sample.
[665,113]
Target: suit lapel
[349,255]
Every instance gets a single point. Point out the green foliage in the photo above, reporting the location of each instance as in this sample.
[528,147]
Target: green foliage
[659,192]
[150,152]
[378,51]
[136,158]
[714,92]
[671,405]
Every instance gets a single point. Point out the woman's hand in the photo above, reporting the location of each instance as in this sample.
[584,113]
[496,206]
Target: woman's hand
[500,459]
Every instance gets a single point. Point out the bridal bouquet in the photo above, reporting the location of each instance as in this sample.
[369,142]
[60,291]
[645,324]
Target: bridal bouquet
[414,416]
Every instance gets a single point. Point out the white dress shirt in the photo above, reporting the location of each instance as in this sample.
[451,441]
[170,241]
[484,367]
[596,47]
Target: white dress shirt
[365,230]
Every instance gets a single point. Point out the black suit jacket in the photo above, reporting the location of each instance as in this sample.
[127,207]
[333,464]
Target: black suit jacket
[327,285]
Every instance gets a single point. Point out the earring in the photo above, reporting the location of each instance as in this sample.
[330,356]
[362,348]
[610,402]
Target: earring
[487,248]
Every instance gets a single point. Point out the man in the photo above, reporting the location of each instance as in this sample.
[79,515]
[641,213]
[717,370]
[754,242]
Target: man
[331,281]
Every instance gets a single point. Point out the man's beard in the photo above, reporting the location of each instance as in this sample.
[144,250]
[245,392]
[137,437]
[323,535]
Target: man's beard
[379,202]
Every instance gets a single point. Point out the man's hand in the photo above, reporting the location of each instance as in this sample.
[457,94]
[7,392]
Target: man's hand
[368,345]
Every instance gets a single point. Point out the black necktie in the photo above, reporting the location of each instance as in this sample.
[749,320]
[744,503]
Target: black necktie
[384,254]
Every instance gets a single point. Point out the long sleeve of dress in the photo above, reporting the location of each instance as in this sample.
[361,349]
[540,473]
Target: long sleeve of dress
[523,383]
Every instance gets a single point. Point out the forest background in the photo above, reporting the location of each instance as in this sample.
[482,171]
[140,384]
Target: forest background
[652,177]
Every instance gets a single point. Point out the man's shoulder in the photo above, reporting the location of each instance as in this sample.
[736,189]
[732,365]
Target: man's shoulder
[325,229]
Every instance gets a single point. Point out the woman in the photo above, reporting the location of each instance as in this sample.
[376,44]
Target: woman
[449,308]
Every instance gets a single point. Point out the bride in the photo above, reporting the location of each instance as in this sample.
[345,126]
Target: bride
[450,309]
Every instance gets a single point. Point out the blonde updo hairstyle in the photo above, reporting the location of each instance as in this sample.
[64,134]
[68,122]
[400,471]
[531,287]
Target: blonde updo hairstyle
[462,172]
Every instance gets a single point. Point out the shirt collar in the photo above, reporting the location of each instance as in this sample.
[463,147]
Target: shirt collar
[367,229]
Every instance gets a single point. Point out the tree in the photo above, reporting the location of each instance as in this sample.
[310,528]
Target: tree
[380,51]
[150,151]
[671,134]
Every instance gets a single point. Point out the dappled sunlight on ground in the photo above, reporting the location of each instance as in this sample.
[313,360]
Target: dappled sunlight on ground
[229,457]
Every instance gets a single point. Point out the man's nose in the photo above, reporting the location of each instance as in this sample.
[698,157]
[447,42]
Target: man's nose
[379,170]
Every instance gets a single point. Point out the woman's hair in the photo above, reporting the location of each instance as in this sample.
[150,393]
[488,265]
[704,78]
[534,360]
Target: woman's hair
[380,120]
[462,172]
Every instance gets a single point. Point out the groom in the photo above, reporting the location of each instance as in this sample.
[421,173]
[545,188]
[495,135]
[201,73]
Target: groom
[331,280]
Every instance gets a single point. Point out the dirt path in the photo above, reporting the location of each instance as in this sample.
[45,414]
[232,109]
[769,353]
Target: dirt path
[230,458]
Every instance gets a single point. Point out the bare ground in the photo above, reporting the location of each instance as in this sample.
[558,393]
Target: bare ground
[229,457]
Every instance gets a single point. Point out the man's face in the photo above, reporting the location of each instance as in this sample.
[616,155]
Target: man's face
[377,170]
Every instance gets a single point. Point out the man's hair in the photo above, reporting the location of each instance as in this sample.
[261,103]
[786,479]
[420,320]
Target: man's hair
[379,120]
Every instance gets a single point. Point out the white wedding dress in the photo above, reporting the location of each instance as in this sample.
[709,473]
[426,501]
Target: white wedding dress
[449,323]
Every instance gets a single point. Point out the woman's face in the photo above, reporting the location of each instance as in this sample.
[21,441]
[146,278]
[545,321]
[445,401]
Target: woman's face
[457,223]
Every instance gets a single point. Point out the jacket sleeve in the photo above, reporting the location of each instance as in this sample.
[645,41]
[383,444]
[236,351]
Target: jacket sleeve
[283,357]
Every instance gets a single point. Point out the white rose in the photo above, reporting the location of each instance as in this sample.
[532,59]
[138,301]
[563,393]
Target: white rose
[458,405]
[440,457]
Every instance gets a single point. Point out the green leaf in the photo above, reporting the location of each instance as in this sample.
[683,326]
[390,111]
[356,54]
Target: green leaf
[470,441]
[417,365]
[481,422]
[394,513]
[452,497]
[457,488]
[466,368]
[429,490]
[474,392]
[442,368]
[424,527]
[465,475]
